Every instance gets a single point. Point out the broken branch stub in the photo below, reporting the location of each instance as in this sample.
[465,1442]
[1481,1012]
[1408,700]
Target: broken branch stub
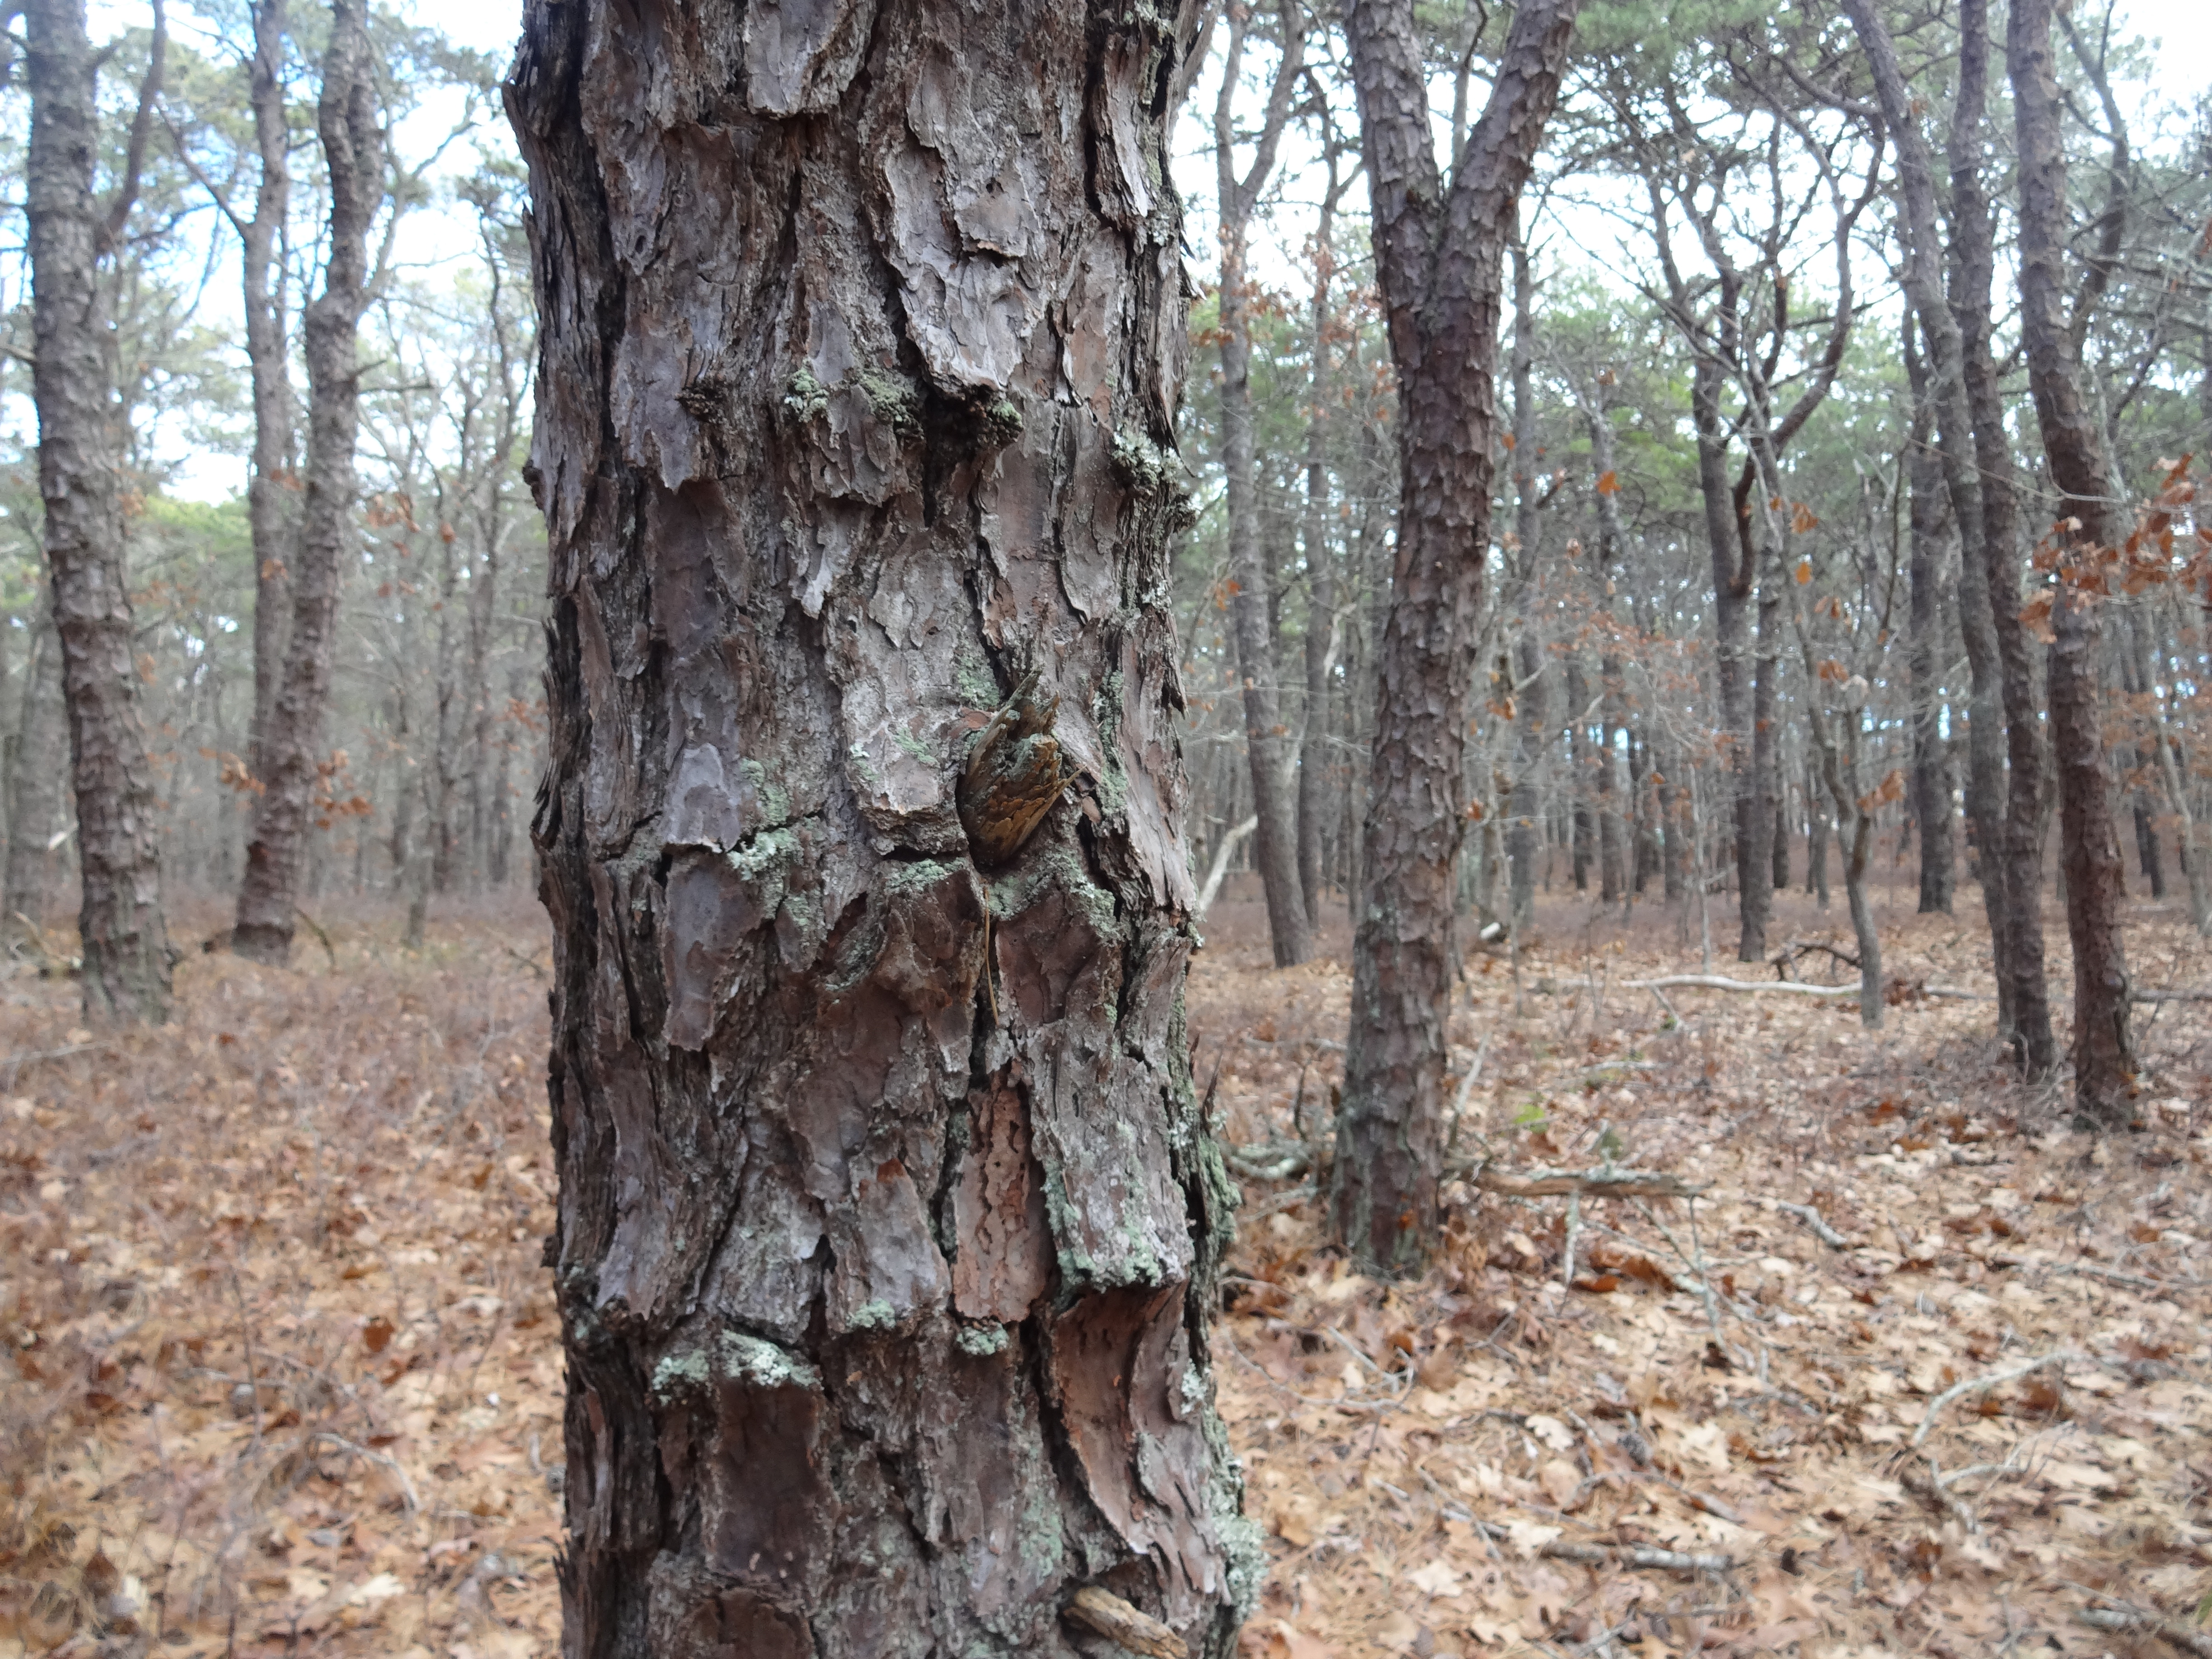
[1117,1621]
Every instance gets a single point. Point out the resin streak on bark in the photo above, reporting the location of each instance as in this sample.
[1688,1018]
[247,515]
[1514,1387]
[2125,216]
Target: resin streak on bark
[887,1224]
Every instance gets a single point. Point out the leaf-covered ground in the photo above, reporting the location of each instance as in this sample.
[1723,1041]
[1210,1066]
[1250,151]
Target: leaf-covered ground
[284,1375]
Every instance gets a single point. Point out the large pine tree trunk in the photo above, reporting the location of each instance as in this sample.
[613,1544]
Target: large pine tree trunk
[888,1224]
[291,739]
[125,942]
[2104,1045]
[1439,255]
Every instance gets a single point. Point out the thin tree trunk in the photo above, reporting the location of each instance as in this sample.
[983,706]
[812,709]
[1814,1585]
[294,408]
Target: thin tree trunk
[1315,803]
[124,939]
[1991,590]
[1531,688]
[888,1223]
[275,853]
[269,485]
[1267,737]
[1816,834]
[1931,760]
[1437,258]
[36,778]
[1965,446]
[2104,1045]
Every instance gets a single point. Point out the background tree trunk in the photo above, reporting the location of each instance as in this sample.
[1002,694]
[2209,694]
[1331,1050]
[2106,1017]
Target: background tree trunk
[36,777]
[2016,923]
[271,488]
[1990,596]
[1267,737]
[1926,517]
[275,853]
[2103,1043]
[1438,257]
[888,1222]
[125,942]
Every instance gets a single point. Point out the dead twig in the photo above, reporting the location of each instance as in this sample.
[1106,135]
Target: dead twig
[1605,1182]
[1722,982]
[1811,1217]
[2128,1617]
[1117,1621]
[1984,1383]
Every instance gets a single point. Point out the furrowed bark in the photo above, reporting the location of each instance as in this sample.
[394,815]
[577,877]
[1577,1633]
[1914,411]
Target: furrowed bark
[2103,1043]
[1437,258]
[125,942]
[276,850]
[888,1226]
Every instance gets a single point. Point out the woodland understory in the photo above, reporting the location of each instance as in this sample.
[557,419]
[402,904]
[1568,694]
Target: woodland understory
[1920,1371]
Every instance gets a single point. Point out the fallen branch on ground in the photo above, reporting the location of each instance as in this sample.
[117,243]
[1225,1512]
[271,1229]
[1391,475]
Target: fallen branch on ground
[1270,1161]
[1722,982]
[1603,1183]
[1604,1555]
[1811,1217]
[1982,1384]
[2128,1617]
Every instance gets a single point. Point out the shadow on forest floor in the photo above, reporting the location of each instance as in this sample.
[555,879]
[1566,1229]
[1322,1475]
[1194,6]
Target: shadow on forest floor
[337,1182]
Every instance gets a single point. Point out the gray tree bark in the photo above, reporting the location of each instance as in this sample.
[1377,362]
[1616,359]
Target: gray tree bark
[1927,523]
[271,488]
[283,813]
[1267,737]
[1988,603]
[1438,254]
[37,774]
[124,939]
[2104,1042]
[888,1224]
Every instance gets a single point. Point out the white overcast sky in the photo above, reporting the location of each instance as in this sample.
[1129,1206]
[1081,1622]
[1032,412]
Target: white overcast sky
[2184,70]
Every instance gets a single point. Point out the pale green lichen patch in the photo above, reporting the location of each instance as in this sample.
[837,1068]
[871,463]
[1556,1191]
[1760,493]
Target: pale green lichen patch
[895,402]
[876,1316]
[806,400]
[763,855]
[733,1357]
[972,677]
[775,799]
[981,1341]
[913,745]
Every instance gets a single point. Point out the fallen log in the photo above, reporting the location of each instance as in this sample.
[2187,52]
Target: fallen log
[1722,982]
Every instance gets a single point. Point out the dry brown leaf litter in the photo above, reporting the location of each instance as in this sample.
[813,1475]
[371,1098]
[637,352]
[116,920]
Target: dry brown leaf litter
[335,1185]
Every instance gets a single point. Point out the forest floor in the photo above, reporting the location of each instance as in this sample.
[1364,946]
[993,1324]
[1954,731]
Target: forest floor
[285,1375]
